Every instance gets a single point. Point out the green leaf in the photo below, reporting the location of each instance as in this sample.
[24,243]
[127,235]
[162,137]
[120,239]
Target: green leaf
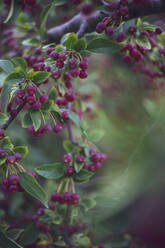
[78,166]
[40,76]
[88,203]
[80,45]
[60,243]
[69,40]
[101,45]
[22,21]
[18,61]
[148,26]
[36,118]
[51,171]
[30,234]
[14,78]
[31,42]
[6,143]
[23,150]
[46,107]
[68,146]
[6,242]
[44,15]
[96,135]
[52,94]
[83,176]
[11,11]
[3,160]
[26,120]
[6,66]
[3,118]
[14,233]
[32,187]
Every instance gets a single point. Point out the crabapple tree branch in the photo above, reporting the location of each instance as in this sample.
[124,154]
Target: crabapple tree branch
[81,24]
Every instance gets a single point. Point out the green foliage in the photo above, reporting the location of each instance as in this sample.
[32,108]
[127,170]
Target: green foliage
[102,45]
[40,76]
[36,118]
[83,176]
[51,171]
[31,186]
[23,150]
[6,66]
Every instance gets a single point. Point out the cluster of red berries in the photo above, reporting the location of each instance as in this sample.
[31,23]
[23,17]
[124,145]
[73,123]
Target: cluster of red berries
[11,184]
[42,130]
[72,229]
[92,163]
[119,10]
[65,198]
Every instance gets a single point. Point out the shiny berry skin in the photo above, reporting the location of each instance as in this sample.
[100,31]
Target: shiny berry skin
[86,165]
[20,93]
[120,37]
[44,98]
[47,128]
[38,51]
[75,198]
[59,64]
[67,158]
[92,151]
[58,127]
[14,179]
[109,31]
[69,171]
[30,99]
[36,105]
[158,30]
[49,50]
[96,157]
[103,157]
[69,96]
[75,72]
[65,114]
[80,158]
[55,197]
[2,152]
[67,77]
[62,57]
[31,89]
[2,133]
[83,64]
[11,159]
[18,156]
[127,59]
[54,55]
[83,74]
[100,27]
[67,197]
[72,63]
[56,75]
